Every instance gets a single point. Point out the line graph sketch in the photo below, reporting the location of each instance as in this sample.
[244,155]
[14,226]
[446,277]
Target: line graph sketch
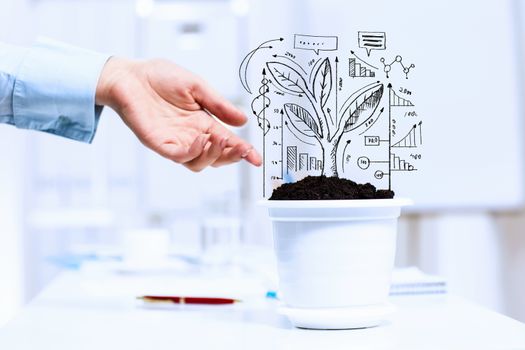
[397,101]
[387,67]
[413,139]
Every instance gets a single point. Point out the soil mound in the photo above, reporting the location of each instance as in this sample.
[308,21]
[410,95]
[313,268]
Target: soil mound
[325,188]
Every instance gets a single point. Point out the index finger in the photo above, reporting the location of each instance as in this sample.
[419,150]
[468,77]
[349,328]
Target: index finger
[217,105]
[245,150]
[234,154]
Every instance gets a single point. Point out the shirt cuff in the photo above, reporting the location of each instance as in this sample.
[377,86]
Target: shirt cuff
[10,58]
[55,88]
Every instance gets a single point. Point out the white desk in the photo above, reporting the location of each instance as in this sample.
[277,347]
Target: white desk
[67,316]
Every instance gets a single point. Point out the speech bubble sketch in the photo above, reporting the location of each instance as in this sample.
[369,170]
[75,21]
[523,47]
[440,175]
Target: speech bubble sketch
[315,42]
[371,41]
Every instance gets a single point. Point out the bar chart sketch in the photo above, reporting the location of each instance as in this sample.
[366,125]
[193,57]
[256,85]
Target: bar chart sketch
[413,139]
[301,161]
[398,164]
[357,70]
[291,158]
[396,101]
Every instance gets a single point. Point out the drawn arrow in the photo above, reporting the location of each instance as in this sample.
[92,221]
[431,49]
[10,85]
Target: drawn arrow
[368,64]
[390,135]
[356,93]
[420,134]
[282,144]
[253,108]
[265,105]
[289,59]
[328,110]
[297,137]
[243,68]
[263,90]
[336,89]
[285,92]
[344,151]
[371,125]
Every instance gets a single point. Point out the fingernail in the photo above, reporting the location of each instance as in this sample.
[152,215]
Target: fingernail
[245,154]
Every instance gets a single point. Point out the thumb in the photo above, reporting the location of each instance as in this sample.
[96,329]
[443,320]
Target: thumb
[217,105]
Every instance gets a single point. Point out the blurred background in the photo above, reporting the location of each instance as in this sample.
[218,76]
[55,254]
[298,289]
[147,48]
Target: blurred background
[59,208]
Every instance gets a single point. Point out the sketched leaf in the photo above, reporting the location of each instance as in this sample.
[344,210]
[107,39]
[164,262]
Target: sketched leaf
[362,107]
[287,77]
[302,120]
[323,82]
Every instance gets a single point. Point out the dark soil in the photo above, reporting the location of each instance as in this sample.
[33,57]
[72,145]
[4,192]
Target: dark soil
[324,188]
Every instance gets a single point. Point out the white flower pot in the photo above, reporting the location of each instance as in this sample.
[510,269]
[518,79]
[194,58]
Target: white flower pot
[335,259]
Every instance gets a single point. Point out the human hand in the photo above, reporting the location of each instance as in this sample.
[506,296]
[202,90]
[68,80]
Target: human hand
[169,110]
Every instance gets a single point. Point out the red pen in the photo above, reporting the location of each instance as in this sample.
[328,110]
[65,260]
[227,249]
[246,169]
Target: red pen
[187,300]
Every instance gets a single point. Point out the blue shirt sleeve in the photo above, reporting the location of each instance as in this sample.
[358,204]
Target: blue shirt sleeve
[10,59]
[51,87]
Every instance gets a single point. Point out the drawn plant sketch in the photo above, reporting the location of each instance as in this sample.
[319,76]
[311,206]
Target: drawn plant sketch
[316,97]
[322,126]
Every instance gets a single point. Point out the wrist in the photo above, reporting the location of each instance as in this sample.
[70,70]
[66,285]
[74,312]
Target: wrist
[113,72]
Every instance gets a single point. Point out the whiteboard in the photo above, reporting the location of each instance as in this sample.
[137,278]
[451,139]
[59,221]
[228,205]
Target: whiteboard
[465,88]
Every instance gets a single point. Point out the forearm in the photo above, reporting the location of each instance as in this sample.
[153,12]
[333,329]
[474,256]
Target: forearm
[61,90]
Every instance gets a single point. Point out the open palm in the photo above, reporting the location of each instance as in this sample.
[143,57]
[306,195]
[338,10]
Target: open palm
[171,111]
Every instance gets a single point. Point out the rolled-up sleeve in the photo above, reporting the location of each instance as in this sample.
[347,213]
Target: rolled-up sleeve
[54,90]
